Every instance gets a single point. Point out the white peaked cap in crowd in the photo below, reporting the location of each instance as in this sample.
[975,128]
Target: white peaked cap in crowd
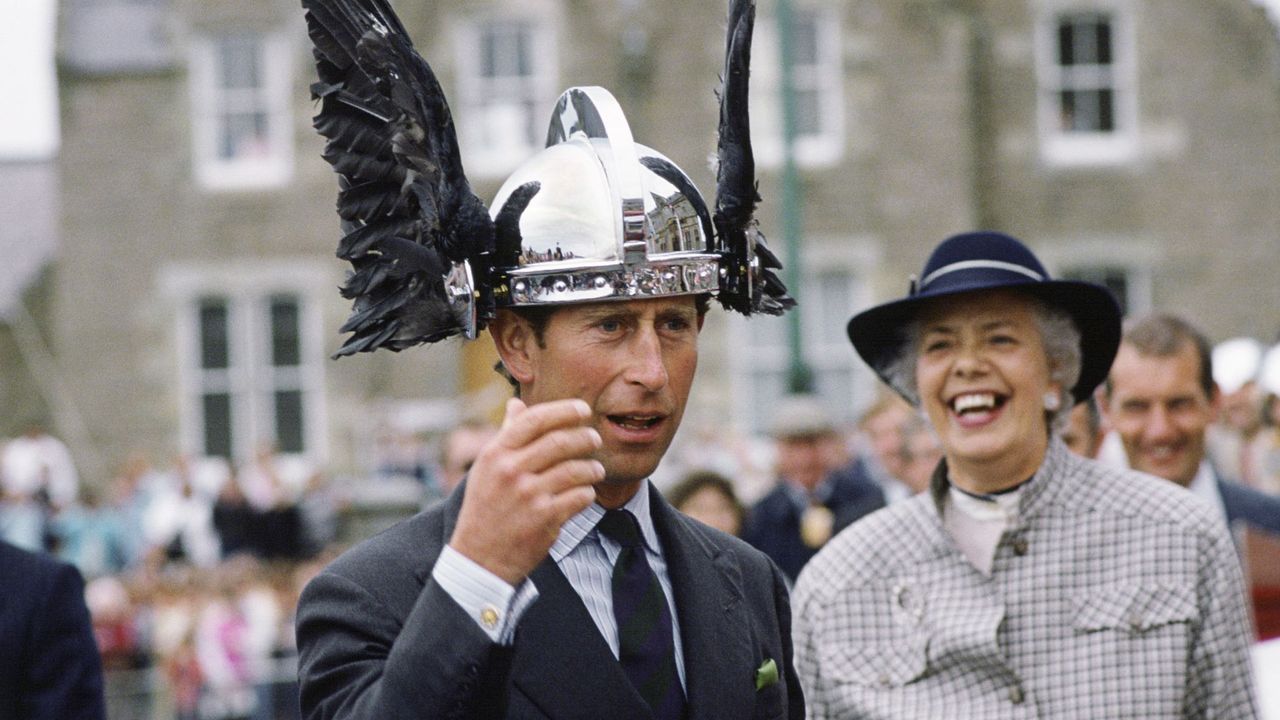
[1236,362]
[1269,375]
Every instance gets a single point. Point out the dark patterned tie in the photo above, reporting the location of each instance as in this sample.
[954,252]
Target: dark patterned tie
[646,647]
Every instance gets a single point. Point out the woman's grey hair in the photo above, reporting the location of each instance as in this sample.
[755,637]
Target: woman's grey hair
[1058,334]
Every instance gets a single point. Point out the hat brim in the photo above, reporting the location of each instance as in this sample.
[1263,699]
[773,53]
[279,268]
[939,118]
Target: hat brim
[878,333]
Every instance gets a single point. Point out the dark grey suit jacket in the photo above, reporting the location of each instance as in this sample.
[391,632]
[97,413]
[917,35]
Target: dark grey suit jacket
[379,638]
[49,663]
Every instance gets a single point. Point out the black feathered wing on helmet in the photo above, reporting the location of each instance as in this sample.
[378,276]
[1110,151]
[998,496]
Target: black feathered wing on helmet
[409,216]
[748,282]
[421,244]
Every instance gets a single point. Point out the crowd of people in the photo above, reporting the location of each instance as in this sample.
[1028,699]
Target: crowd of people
[191,572]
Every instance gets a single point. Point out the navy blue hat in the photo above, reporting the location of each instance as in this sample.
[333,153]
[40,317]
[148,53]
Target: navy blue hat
[993,261]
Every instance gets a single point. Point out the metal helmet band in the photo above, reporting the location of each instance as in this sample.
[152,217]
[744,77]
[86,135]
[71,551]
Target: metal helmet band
[596,216]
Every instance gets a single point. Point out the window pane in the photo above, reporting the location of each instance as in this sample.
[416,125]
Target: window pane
[807,112]
[289,430]
[1066,44]
[804,38]
[214,351]
[505,51]
[1102,35]
[238,60]
[1106,114]
[217,424]
[286,346]
[830,308]
[1067,110]
[244,135]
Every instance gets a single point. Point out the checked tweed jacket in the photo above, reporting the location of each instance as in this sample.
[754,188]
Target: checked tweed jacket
[1113,595]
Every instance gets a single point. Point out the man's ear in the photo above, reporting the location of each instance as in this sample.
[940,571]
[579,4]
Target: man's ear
[516,344]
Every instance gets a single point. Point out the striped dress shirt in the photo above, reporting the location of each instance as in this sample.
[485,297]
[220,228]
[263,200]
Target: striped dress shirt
[584,556]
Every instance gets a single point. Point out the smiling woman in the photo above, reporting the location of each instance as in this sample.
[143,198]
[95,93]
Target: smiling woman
[1025,574]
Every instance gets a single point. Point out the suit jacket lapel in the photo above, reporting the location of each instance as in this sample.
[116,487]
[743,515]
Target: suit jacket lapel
[708,589]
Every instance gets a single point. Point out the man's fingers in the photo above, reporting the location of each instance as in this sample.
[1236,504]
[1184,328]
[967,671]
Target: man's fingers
[524,426]
[571,502]
[556,447]
[571,473]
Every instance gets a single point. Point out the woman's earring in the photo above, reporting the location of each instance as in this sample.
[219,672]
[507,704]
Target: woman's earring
[1052,401]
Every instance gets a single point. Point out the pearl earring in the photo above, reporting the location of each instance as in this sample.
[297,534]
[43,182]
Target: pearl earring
[1052,401]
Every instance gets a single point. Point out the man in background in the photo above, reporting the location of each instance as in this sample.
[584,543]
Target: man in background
[818,492]
[1161,399]
[459,450]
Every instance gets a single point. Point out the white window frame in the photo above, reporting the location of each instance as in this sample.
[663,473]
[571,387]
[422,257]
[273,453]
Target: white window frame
[1072,148]
[824,148]
[250,378]
[491,131]
[1136,257]
[849,256]
[274,167]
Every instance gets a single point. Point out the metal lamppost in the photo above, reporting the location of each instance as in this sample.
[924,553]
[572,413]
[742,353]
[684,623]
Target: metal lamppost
[799,376]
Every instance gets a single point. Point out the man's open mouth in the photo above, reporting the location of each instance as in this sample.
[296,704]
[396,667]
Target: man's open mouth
[635,422]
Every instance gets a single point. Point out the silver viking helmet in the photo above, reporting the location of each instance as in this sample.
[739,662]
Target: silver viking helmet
[602,224]
[594,216]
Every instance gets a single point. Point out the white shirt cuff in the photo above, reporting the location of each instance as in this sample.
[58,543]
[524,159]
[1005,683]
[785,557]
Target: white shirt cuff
[486,598]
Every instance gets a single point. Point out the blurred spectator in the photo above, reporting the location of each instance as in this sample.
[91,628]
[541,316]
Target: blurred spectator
[222,644]
[273,484]
[1083,433]
[881,426]
[38,465]
[318,509]
[92,536]
[234,521]
[49,664]
[178,524]
[1236,365]
[1161,399]
[1264,449]
[182,672]
[37,478]
[811,500]
[920,454]
[459,449]
[402,453]
[708,497]
[114,626]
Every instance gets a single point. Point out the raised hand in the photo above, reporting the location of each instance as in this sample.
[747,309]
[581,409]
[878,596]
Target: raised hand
[525,484]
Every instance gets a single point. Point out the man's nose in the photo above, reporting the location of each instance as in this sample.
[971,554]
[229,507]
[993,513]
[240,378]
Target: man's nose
[1160,424]
[647,365]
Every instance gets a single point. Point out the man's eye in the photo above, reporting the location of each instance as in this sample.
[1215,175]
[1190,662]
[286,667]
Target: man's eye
[610,325]
[678,324]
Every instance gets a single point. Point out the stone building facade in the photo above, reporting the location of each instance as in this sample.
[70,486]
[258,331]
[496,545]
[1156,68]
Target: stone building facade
[192,304]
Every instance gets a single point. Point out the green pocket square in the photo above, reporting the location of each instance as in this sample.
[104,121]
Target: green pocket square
[766,674]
